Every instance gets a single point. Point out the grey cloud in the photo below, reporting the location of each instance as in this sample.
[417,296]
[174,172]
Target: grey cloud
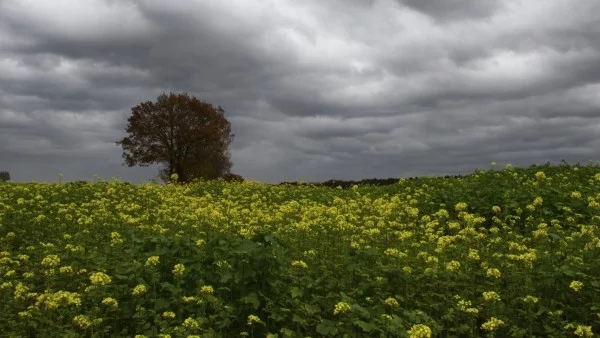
[451,10]
[314,90]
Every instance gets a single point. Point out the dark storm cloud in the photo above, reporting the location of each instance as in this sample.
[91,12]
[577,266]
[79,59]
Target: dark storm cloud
[314,90]
[454,9]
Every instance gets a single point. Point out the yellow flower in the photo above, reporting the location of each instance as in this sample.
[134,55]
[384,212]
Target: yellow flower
[473,254]
[139,290]
[584,331]
[253,319]
[54,300]
[386,317]
[461,206]
[472,311]
[152,261]
[419,331]
[453,266]
[20,291]
[299,264]
[25,314]
[491,296]
[115,238]
[82,321]
[65,269]
[540,175]
[190,323]
[576,194]
[168,314]
[178,270]
[391,301]
[496,209]
[341,307]
[189,299]
[493,272]
[576,285]
[50,261]
[207,289]
[530,299]
[109,301]
[100,278]
[492,324]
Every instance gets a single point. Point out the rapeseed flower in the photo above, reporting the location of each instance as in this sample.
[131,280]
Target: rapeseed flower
[341,307]
[178,270]
[140,289]
[583,331]
[207,289]
[252,319]
[576,285]
[82,321]
[115,238]
[419,331]
[386,317]
[391,301]
[190,323]
[51,261]
[109,301]
[152,261]
[65,269]
[493,272]
[461,206]
[100,278]
[530,300]
[168,314]
[491,296]
[453,266]
[492,324]
[299,264]
[473,254]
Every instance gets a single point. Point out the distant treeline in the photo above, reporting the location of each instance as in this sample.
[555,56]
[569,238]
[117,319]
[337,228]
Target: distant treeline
[368,181]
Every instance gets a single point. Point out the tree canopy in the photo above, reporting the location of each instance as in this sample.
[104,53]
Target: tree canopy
[188,136]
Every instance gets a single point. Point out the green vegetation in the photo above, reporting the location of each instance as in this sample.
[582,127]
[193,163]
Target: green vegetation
[510,253]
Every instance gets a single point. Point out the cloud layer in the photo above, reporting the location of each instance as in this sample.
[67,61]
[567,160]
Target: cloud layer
[314,90]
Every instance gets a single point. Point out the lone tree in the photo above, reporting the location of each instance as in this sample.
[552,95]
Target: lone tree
[188,136]
[4,176]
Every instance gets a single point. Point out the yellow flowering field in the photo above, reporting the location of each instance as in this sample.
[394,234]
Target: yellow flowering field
[498,253]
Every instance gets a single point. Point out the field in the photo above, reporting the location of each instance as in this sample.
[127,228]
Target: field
[498,253]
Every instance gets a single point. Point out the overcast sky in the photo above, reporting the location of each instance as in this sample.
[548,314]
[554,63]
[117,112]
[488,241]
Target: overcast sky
[314,90]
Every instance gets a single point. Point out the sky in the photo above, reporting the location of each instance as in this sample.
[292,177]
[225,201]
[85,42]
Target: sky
[314,90]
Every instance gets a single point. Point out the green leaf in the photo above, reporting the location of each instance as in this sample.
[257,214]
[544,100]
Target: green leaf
[367,327]
[326,328]
[311,309]
[251,298]
[287,332]
[299,320]
[295,292]
[226,277]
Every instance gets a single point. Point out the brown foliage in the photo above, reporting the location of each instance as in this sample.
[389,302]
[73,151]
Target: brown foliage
[190,137]
[4,176]
[231,177]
